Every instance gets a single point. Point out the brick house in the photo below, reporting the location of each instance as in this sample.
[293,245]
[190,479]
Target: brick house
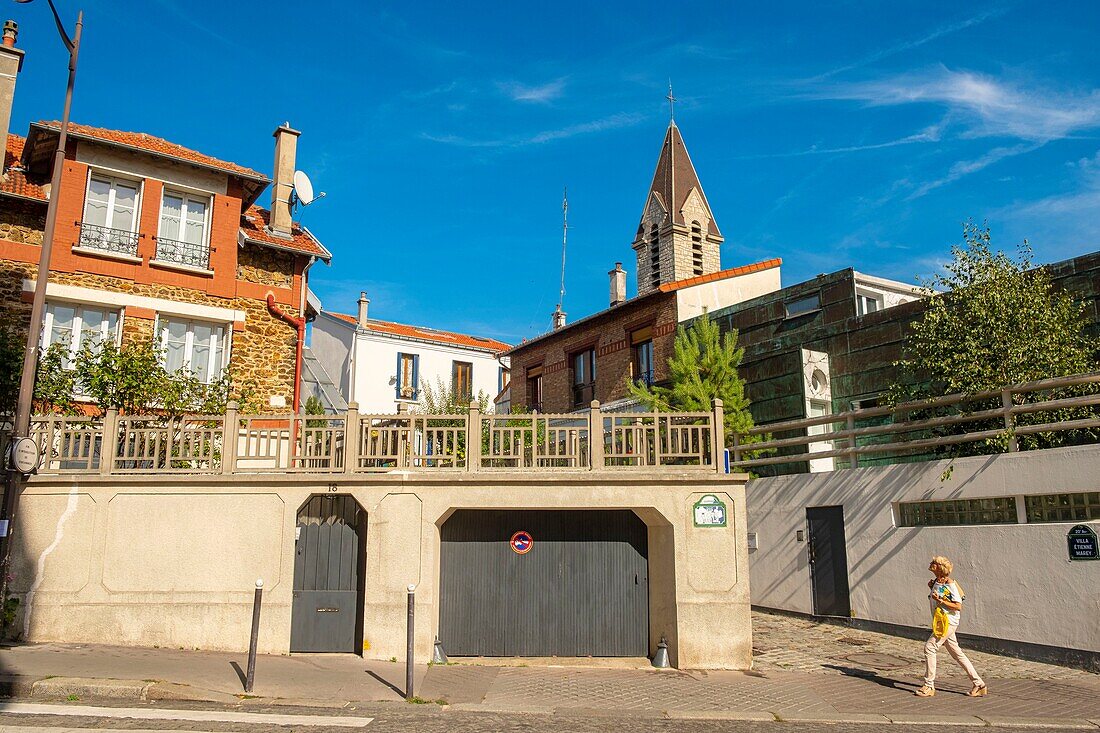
[676,246]
[155,241]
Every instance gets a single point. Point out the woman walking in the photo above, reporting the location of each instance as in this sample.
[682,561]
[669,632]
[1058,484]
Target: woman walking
[946,597]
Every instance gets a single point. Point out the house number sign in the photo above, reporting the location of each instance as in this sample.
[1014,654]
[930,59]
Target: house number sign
[1082,545]
[709,512]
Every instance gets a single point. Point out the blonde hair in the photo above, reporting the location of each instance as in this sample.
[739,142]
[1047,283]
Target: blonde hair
[943,564]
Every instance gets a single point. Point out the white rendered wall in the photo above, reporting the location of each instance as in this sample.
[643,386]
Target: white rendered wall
[375,370]
[330,340]
[692,301]
[1019,583]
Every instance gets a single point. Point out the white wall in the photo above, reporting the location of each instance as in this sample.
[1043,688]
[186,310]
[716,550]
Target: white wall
[375,370]
[692,301]
[330,340]
[1019,583]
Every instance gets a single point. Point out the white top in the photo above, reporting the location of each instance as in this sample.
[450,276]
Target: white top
[949,591]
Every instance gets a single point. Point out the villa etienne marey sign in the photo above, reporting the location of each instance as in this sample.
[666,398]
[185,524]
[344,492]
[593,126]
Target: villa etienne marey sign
[709,512]
[1082,543]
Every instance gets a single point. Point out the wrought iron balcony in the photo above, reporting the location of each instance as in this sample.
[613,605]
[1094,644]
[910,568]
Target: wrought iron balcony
[106,239]
[183,253]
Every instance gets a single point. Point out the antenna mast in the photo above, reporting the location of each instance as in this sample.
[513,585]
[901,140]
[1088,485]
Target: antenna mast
[564,237]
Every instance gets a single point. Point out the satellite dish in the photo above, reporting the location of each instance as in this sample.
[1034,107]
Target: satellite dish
[303,189]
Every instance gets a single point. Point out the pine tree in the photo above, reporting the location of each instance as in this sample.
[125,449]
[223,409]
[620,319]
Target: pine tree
[703,367]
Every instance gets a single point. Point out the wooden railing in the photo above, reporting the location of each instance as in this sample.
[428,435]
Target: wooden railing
[929,426]
[363,443]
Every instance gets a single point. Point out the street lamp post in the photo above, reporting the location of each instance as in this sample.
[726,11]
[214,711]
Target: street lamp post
[30,355]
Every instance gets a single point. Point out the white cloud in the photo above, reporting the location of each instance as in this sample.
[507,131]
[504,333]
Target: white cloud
[917,42]
[611,122]
[539,94]
[966,167]
[988,106]
[930,134]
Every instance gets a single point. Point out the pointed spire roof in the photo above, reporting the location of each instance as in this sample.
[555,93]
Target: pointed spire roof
[675,178]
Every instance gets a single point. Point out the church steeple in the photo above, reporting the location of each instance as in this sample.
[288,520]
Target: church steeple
[677,237]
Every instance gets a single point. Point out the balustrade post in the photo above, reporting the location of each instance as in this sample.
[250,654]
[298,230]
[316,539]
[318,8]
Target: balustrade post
[231,431]
[406,434]
[718,435]
[1010,420]
[352,440]
[736,438]
[853,457]
[595,437]
[473,437]
[108,445]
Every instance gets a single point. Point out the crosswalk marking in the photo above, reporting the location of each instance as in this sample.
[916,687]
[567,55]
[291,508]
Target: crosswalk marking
[198,716]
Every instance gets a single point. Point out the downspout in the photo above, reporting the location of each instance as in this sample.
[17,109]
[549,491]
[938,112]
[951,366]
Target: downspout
[300,325]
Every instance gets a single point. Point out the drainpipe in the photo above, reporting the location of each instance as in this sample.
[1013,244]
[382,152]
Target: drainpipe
[300,324]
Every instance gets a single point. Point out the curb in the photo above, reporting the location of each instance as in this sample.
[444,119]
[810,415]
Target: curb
[91,687]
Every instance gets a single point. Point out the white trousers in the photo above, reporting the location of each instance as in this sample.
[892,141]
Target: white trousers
[933,645]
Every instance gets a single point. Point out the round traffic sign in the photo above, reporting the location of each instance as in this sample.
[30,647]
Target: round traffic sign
[522,542]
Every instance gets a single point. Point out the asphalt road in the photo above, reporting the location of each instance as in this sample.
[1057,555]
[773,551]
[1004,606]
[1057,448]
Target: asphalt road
[390,718]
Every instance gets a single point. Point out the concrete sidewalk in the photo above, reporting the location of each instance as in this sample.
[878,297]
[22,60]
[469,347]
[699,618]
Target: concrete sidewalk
[852,694]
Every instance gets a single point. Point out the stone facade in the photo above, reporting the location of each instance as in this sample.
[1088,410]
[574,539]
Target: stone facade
[265,266]
[609,333]
[262,349]
[22,221]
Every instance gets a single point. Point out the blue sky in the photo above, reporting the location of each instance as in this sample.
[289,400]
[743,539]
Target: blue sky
[829,134]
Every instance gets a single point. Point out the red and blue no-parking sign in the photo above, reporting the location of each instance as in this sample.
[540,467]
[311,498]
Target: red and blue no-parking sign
[522,542]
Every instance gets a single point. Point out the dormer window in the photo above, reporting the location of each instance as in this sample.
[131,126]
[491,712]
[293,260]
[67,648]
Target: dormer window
[183,230]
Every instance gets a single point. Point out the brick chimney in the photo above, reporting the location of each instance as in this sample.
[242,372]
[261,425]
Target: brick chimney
[618,284]
[363,303]
[11,61]
[286,147]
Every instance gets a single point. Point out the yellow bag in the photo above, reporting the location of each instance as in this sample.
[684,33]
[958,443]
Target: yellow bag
[941,624]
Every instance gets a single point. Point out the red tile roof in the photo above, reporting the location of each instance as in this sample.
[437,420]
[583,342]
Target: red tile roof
[254,223]
[427,334]
[160,146]
[721,275]
[12,180]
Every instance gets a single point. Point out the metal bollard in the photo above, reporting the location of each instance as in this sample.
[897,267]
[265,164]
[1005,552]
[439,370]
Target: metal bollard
[409,643]
[248,678]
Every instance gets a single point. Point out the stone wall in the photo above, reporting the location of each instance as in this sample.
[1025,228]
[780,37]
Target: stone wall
[171,561]
[265,266]
[22,221]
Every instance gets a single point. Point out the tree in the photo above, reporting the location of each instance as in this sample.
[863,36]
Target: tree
[53,385]
[992,321]
[441,399]
[703,367]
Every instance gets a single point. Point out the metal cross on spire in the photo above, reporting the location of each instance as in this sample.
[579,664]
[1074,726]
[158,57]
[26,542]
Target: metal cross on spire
[671,102]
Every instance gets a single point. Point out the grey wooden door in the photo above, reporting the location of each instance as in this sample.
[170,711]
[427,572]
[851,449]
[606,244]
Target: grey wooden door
[326,613]
[828,561]
[581,590]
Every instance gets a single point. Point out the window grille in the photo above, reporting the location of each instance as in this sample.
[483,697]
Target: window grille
[1074,507]
[997,510]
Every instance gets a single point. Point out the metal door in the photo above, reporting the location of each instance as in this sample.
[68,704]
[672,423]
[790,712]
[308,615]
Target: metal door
[828,561]
[581,590]
[326,614]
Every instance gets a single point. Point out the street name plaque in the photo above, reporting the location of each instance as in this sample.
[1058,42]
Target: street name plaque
[710,511]
[1082,544]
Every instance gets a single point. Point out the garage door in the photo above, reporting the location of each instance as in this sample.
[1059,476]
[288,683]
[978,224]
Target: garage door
[580,589]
